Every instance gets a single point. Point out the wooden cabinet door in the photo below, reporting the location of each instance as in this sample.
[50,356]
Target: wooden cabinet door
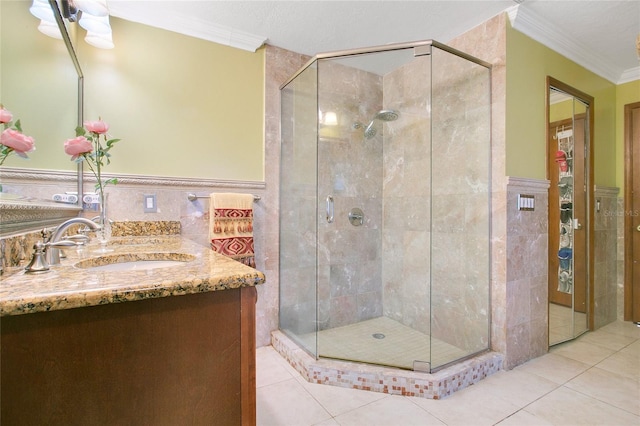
[632,213]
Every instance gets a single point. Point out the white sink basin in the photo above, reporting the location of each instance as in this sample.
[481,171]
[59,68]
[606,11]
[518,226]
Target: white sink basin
[135,262]
[138,265]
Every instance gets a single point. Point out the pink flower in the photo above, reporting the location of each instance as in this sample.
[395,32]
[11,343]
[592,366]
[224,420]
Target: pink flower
[99,127]
[77,146]
[5,116]
[15,140]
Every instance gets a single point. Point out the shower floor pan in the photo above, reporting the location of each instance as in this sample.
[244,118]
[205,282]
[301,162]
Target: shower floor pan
[376,341]
[358,343]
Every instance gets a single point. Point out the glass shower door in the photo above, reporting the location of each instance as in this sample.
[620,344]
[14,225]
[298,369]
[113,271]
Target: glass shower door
[298,207]
[460,207]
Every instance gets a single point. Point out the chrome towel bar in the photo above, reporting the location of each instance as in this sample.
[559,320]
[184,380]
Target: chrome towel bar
[192,197]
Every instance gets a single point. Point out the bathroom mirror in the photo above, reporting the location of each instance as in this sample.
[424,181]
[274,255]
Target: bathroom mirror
[41,84]
[569,170]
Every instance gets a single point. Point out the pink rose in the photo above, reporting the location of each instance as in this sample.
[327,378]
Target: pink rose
[15,140]
[5,116]
[77,146]
[98,127]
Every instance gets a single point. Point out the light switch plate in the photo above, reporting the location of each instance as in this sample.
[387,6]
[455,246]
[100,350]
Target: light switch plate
[149,203]
[526,202]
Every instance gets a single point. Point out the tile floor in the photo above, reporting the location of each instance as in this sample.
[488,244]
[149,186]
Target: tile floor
[593,380]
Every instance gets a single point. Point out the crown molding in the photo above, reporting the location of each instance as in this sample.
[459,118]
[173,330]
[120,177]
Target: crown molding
[631,74]
[220,34]
[532,25]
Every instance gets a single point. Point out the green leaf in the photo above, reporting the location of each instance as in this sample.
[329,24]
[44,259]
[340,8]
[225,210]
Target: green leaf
[110,142]
[80,131]
[17,125]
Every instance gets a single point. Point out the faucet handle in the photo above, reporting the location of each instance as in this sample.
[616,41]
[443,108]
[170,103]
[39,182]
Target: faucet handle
[38,261]
[46,234]
[62,244]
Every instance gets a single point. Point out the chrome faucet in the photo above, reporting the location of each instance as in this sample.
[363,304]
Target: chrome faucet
[53,252]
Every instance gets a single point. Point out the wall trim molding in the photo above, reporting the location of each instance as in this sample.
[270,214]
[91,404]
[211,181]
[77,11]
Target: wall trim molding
[520,184]
[606,191]
[16,173]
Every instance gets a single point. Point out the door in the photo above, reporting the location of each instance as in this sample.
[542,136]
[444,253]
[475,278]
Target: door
[567,213]
[632,213]
[569,168]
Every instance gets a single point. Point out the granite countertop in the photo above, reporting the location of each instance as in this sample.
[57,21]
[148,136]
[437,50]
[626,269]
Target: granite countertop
[68,285]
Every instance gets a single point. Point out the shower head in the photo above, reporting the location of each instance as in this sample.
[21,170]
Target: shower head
[383,115]
[370,131]
[386,115]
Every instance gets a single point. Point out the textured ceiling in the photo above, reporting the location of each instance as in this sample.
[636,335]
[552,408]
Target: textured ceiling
[600,35]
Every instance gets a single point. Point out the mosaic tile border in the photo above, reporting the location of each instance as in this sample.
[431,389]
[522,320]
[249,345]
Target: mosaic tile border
[387,380]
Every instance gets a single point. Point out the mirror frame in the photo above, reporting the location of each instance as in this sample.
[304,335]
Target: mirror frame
[22,214]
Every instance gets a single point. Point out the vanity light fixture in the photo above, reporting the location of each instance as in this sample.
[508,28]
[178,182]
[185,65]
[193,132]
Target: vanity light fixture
[328,118]
[101,41]
[92,15]
[50,29]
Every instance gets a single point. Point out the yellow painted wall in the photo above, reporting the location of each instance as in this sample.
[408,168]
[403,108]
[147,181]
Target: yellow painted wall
[528,64]
[182,106]
[625,94]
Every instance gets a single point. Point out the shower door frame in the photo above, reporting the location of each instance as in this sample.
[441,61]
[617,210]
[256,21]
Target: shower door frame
[420,48]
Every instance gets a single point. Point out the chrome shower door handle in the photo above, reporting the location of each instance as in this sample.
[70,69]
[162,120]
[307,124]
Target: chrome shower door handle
[329,209]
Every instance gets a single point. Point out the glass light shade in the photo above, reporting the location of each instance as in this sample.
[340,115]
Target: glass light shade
[50,29]
[41,10]
[101,41]
[93,7]
[330,119]
[95,24]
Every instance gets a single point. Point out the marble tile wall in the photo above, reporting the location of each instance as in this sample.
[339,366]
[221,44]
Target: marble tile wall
[605,279]
[526,288]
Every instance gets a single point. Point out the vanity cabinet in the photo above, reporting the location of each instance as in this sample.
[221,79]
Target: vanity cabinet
[178,360]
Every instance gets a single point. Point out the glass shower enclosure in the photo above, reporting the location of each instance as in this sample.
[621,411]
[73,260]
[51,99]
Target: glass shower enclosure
[385,206]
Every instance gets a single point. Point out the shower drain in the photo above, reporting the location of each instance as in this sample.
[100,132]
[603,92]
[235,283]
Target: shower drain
[378,336]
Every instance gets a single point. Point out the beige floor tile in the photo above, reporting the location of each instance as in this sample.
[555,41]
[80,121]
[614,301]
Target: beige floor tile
[607,340]
[593,380]
[557,368]
[270,367]
[523,418]
[625,328]
[625,363]
[583,352]
[614,389]
[330,422]
[337,400]
[517,387]
[471,406]
[390,411]
[287,403]
[567,407]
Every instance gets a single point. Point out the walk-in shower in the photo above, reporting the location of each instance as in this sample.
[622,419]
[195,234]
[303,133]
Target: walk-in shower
[385,211]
